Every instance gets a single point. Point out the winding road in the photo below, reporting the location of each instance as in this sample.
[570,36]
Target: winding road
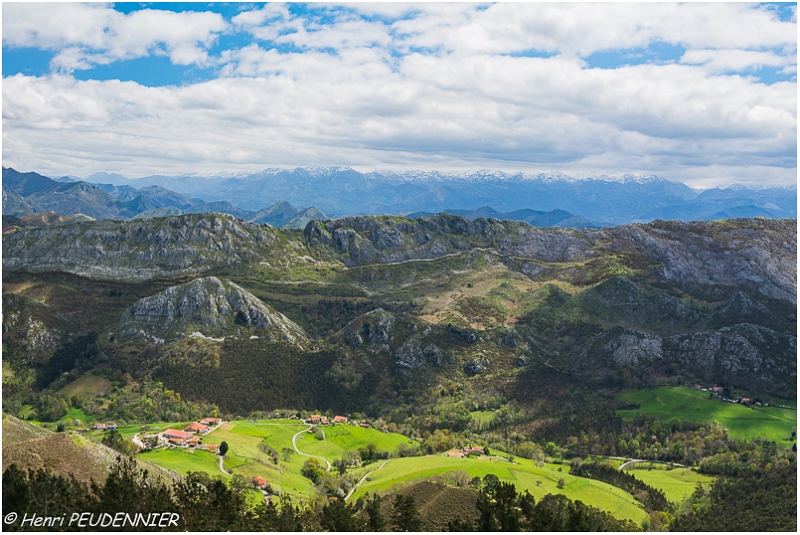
[221,467]
[294,444]
[360,481]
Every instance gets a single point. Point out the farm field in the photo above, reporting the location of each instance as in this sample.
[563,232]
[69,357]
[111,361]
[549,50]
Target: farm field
[523,473]
[677,483]
[184,461]
[245,458]
[686,403]
[340,439]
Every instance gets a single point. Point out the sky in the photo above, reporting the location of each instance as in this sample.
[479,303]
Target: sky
[701,93]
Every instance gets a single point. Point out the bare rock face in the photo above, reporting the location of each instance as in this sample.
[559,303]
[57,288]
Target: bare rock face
[138,249]
[206,308]
[371,331]
[738,351]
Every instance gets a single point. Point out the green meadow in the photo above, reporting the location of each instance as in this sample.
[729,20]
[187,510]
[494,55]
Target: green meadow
[183,461]
[340,439]
[677,483]
[523,473]
[686,403]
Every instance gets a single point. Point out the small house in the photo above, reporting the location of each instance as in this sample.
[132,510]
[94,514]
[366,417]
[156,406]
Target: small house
[260,483]
[213,448]
[317,419]
[340,419]
[473,450]
[99,427]
[454,454]
[716,389]
[196,428]
[210,421]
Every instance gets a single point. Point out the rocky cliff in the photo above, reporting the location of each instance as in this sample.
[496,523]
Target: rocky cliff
[709,259]
[140,249]
[205,308]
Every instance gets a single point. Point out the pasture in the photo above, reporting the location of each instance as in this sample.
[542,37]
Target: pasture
[686,403]
[677,483]
[523,473]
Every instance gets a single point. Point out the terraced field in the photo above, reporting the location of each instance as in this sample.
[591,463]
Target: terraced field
[686,403]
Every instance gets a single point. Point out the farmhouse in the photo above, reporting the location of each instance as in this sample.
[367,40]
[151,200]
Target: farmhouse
[716,389]
[317,419]
[211,421]
[340,419]
[473,450]
[454,454]
[177,438]
[259,483]
[213,448]
[196,428]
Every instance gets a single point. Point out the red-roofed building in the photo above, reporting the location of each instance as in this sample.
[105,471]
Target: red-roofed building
[211,421]
[454,454]
[473,450]
[340,419]
[208,447]
[259,483]
[178,438]
[196,428]
[317,419]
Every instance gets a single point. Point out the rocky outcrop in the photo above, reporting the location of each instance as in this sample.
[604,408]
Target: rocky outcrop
[739,351]
[369,240]
[370,331]
[710,260]
[138,250]
[206,308]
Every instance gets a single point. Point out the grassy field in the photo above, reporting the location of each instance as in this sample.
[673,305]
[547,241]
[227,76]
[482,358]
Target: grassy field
[687,403]
[87,386]
[522,473]
[184,461]
[340,439]
[243,438]
[677,483]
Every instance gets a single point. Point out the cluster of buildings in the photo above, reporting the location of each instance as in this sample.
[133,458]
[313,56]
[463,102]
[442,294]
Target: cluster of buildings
[718,391]
[191,436]
[466,451]
[104,427]
[319,419]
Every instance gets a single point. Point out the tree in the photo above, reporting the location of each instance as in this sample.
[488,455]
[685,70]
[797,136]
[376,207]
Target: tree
[561,483]
[405,516]
[338,516]
[375,520]
[223,448]
[312,469]
[114,440]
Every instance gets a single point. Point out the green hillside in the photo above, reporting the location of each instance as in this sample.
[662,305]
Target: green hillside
[743,422]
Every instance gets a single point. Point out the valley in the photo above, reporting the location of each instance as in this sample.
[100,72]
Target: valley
[558,350]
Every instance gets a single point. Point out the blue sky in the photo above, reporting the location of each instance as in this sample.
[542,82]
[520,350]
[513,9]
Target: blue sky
[701,93]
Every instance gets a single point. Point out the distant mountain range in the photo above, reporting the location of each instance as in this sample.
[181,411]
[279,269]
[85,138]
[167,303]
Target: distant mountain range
[541,200]
[341,191]
[30,199]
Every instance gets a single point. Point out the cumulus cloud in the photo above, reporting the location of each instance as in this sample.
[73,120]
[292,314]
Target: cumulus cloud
[416,86]
[94,34]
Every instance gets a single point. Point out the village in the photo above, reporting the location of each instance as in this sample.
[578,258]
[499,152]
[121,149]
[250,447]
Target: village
[719,392]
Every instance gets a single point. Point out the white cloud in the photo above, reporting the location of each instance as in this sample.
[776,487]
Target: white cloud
[736,60]
[467,105]
[95,34]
